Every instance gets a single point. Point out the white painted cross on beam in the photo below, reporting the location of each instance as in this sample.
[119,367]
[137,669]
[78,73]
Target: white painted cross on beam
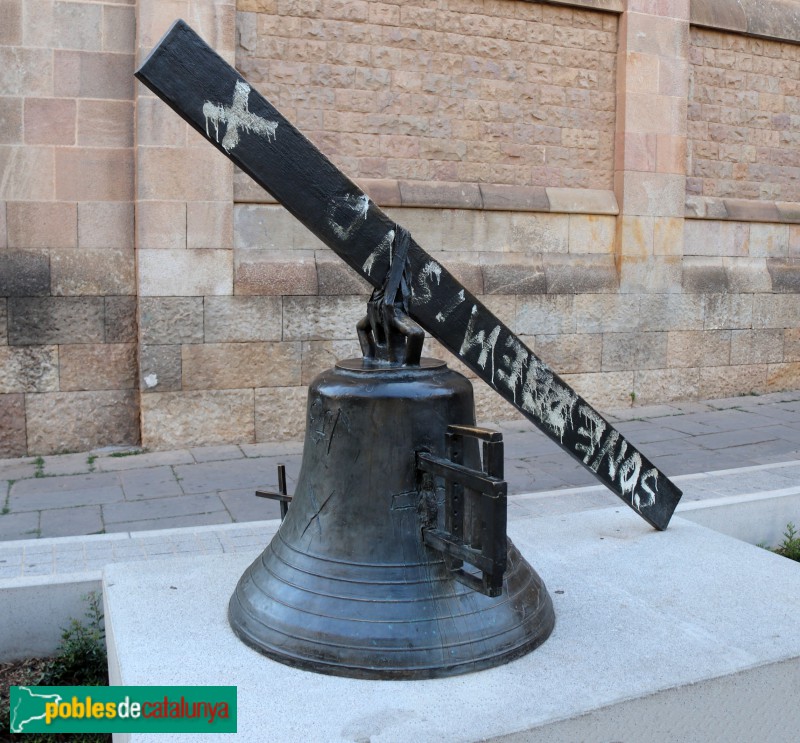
[237,116]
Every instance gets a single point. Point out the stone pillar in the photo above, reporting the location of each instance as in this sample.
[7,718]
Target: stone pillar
[184,243]
[67,288]
[650,152]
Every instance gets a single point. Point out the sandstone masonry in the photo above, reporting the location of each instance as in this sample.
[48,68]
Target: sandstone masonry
[616,180]
[68,369]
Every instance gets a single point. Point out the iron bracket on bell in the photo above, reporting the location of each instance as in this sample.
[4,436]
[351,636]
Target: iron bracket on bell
[475,512]
[387,333]
[281,495]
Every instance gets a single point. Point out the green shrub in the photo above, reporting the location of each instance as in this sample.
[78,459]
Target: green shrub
[791,543]
[79,661]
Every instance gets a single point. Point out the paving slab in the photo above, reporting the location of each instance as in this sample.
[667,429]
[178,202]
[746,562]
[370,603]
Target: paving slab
[16,469]
[244,505]
[786,432]
[692,407]
[277,449]
[62,522]
[216,453]
[692,425]
[778,413]
[147,459]
[723,403]
[45,499]
[640,412]
[19,525]
[647,432]
[735,438]
[64,483]
[156,509]
[656,450]
[152,482]
[171,522]
[750,418]
[700,461]
[233,475]
[66,464]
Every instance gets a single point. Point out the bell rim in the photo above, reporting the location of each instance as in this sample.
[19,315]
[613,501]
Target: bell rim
[545,616]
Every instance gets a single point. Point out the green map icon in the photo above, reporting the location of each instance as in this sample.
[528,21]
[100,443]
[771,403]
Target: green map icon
[28,706]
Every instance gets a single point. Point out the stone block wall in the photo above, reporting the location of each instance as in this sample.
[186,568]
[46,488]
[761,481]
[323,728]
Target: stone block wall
[68,364]
[614,179]
[744,113]
[503,92]
[741,234]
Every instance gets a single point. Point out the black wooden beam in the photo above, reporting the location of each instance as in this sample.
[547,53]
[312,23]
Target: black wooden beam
[211,96]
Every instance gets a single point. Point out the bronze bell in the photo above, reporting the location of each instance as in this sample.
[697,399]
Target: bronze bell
[389,564]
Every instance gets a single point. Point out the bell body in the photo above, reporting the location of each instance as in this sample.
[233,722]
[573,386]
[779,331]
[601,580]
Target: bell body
[347,585]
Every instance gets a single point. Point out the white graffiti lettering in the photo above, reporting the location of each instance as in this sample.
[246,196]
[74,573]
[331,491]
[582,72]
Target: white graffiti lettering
[551,402]
[354,206]
[385,246]
[607,450]
[442,315]
[629,473]
[594,432]
[430,272]
[650,492]
[479,339]
[513,378]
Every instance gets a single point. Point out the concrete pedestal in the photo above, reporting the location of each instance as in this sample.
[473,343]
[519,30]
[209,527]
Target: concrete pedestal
[660,636]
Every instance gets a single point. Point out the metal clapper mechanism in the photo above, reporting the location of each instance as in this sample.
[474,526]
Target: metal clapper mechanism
[474,509]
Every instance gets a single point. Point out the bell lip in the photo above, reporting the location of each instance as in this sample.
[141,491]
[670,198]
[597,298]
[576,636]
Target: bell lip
[363,365]
[547,625]
[538,615]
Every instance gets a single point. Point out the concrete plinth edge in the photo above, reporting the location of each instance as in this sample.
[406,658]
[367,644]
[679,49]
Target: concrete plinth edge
[36,610]
[682,635]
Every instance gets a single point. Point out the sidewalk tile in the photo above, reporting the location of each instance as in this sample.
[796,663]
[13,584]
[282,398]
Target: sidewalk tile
[15,470]
[278,449]
[687,408]
[64,483]
[19,526]
[152,482]
[63,522]
[724,403]
[66,464]
[216,453]
[244,505]
[771,451]
[21,502]
[140,461]
[744,437]
[158,509]
[172,522]
[238,474]
[647,433]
